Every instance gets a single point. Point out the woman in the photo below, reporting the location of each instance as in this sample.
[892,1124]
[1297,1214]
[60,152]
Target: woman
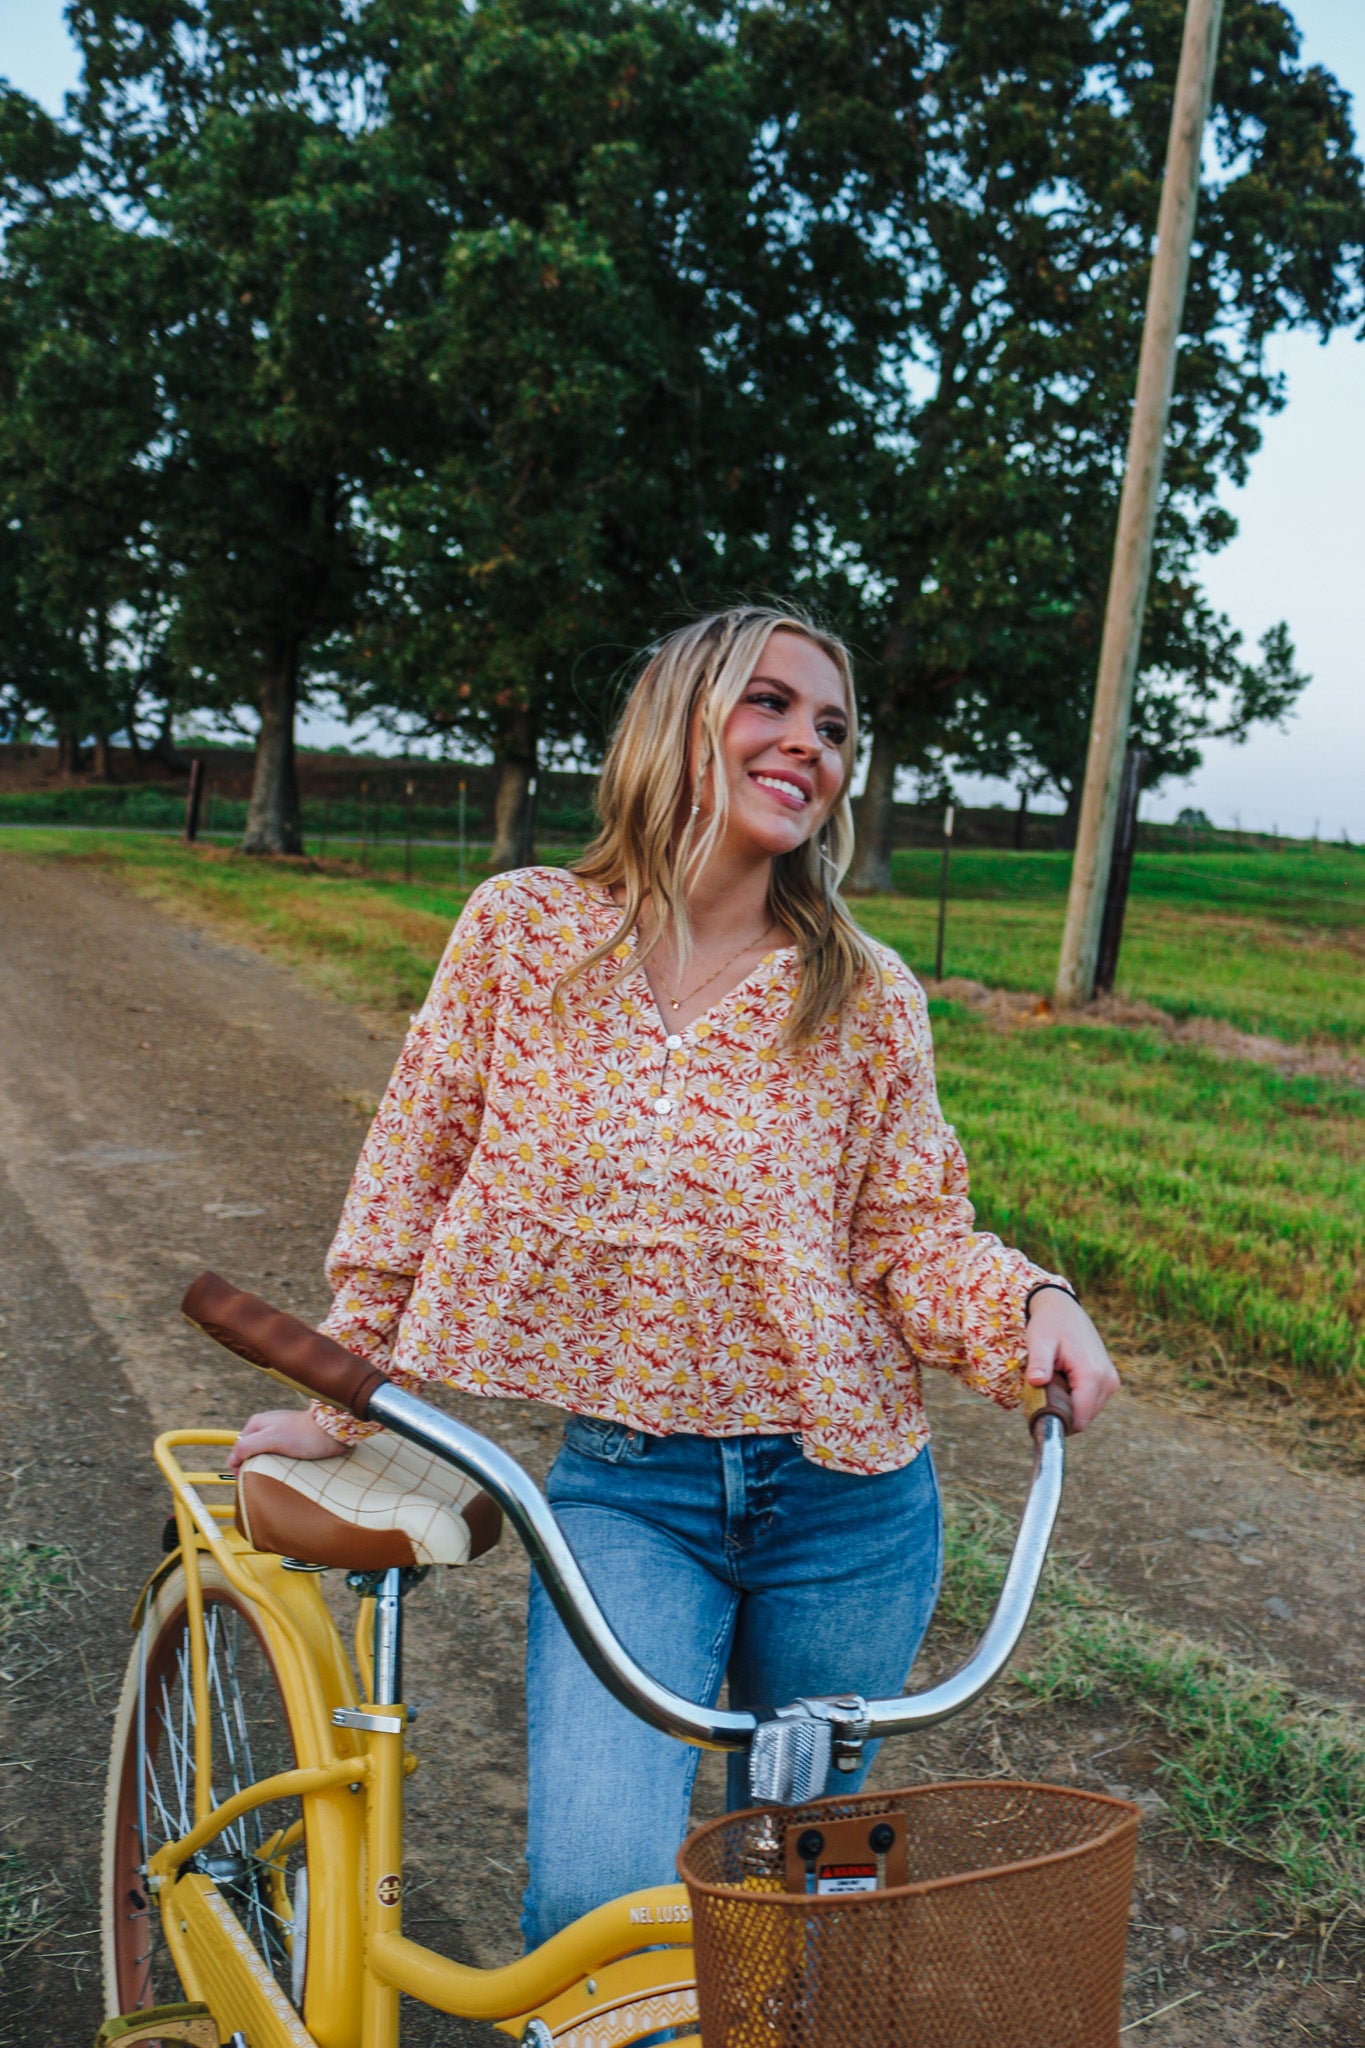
[663,1148]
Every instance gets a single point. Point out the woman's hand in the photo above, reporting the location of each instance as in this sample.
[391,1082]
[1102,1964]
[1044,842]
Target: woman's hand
[1063,1342]
[290,1432]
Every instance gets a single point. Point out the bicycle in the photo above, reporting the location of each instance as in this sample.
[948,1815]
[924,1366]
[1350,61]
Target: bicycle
[253,1836]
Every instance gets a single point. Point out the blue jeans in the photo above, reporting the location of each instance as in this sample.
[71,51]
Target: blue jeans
[712,1558]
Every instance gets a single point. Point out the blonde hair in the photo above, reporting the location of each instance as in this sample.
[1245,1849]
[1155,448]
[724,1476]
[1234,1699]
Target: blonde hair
[650,844]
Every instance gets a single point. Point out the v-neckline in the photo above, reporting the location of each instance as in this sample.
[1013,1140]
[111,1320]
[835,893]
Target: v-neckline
[654,1015]
[666,1029]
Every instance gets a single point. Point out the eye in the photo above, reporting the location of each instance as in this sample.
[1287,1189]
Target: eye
[772,700]
[834,732]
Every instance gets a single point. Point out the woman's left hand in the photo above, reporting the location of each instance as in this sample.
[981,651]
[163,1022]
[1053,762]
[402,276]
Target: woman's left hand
[1063,1342]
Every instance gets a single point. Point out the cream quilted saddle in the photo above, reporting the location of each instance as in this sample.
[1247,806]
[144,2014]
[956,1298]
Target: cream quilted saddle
[382,1503]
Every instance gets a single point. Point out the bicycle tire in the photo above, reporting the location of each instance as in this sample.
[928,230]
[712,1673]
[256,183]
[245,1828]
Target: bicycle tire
[260,1863]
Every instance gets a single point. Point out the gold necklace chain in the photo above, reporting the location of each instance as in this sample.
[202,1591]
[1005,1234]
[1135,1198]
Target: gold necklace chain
[675,1001]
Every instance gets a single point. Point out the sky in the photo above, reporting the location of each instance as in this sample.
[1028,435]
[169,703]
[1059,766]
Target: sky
[1299,554]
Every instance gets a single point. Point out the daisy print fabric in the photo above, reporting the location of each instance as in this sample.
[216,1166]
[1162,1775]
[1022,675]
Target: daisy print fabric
[699,1230]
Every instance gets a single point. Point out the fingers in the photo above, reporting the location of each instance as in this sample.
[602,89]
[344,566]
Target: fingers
[291,1432]
[1091,1381]
[1043,1352]
[258,1433]
[1062,1342]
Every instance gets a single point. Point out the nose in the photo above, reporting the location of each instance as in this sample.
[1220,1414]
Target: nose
[801,737]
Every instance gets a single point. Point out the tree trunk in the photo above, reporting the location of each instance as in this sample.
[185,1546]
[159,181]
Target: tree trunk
[1021,822]
[163,746]
[104,767]
[871,870]
[514,805]
[272,817]
[68,754]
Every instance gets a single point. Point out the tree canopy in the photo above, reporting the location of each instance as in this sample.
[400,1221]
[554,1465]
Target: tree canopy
[440,357]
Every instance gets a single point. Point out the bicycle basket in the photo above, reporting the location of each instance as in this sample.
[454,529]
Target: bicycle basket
[1008,1929]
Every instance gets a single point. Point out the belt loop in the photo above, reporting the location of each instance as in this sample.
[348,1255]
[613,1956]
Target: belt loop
[733,1477]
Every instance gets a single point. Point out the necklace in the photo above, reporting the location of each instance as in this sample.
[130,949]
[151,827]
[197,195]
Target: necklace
[675,1001]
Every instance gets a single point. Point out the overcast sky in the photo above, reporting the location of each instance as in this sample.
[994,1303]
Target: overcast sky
[1300,551]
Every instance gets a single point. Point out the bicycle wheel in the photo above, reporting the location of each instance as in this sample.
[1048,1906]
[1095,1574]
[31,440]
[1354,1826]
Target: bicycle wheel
[259,1864]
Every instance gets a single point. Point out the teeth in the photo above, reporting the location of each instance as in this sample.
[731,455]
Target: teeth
[786,788]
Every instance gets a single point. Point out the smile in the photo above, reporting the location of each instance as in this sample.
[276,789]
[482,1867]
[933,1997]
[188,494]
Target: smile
[791,793]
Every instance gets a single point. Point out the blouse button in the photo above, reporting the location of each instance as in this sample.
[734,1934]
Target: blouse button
[662,1105]
[673,1041]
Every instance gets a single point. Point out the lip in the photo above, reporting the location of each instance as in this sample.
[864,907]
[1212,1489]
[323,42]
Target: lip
[799,790]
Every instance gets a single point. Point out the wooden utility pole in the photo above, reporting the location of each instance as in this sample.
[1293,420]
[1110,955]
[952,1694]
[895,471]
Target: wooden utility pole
[1137,508]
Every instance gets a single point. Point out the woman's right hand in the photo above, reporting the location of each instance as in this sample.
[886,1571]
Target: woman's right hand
[289,1432]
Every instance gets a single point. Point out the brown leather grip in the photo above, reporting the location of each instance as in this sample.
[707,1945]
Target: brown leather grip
[280,1344]
[1053,1399]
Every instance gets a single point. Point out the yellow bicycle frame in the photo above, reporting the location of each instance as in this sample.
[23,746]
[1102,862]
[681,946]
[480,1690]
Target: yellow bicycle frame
[618,1974]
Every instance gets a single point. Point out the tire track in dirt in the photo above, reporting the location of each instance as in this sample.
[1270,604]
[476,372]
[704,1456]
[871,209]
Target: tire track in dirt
[169,1102]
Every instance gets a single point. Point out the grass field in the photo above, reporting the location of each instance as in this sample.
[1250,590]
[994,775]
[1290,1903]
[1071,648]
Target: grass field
[1247,1764]
[1214,1193]
[1271,942]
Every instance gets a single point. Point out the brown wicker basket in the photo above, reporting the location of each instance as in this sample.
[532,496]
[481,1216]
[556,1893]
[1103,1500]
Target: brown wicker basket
[1008,1933]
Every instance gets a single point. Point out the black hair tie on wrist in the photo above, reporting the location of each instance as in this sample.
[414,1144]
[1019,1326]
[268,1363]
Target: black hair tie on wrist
[1044,1287]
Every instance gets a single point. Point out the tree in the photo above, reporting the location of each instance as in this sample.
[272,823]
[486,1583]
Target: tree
[621,399]
[223,143]
[77,414]
[1008,153]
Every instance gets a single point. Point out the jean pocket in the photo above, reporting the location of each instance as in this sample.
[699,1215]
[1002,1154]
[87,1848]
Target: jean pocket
[608,1443]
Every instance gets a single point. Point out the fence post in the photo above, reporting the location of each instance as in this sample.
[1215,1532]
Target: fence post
[193,799]
[943,891]
[407,831]
[462,788]
[1120,870]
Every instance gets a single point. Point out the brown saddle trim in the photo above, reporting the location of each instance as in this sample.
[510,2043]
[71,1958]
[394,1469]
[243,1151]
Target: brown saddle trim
[272,1516]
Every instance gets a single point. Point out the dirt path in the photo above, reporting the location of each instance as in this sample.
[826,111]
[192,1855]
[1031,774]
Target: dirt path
[168,1102]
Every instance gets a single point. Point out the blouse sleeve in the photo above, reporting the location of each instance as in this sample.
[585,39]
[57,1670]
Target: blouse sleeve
[956,1294]
[416,1152]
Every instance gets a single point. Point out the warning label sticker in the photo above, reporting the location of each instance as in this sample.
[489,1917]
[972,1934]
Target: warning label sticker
[846,1877]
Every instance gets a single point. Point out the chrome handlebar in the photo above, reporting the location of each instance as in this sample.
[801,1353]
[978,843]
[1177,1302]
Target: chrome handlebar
[852,1720]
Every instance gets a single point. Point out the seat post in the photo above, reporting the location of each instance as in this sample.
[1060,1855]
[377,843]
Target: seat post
[388,1639]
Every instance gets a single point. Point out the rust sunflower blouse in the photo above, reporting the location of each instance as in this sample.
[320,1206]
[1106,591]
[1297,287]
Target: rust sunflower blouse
[694,1230]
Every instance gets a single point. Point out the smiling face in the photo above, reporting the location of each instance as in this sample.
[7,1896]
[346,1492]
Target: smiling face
[783,749]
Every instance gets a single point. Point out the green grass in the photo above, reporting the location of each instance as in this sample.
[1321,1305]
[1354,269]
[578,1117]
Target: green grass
[1249,1764]
[1269,942]
[1215,1193]
[31,1575]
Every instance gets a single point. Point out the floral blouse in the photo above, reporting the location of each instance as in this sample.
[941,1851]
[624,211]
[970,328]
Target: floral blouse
[694,1230]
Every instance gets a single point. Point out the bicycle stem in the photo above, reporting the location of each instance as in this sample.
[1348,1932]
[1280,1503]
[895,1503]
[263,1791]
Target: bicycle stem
[853,1720]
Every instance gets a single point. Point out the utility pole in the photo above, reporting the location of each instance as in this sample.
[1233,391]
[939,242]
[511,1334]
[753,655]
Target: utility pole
[1138,508]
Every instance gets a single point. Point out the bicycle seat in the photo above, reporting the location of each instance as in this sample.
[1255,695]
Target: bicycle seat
[382,1503]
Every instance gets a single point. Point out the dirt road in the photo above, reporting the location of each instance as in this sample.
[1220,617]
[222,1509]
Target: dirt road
[168,1102]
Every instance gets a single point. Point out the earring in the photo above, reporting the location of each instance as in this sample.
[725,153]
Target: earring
[695,809]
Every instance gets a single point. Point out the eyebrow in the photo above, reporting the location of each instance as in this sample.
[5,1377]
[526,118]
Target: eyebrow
[777,683]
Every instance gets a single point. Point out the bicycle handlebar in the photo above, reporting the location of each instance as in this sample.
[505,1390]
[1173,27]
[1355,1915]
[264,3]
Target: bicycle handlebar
[853,1720]
[285,1347]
